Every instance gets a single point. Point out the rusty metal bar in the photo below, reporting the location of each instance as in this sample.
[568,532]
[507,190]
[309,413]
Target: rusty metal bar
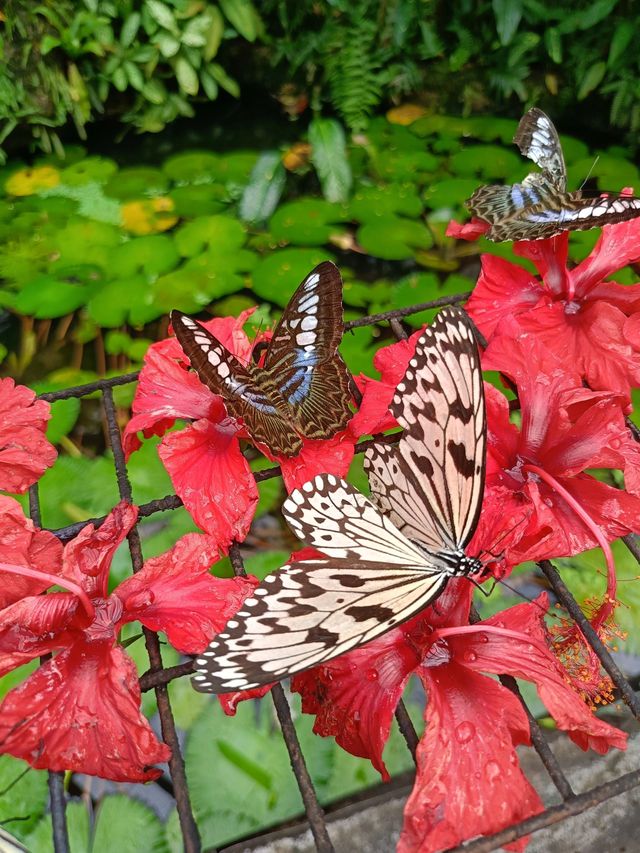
[313,809]
[190,834]
[568,601]
[552,815]
[55,780]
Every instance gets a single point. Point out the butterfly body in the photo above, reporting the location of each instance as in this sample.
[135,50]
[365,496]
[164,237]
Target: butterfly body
[302,389]
[540,206]
[384,558]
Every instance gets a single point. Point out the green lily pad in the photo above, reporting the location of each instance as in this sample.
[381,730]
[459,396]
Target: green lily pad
[307,222]
[276,277]
[129,299]
[372,203]
[386,135]
[152,255]
[417,287]
[186,290]
[221,233]
[64,413]
[449,194]
[98,169]
[191,167]
[488,128]
[357,294]
[445,144]
[236,167]
[82,238]
[236,260]
[394,238]
[487,161]
[55,295]
[611,173]
[573,149]
[404,165]
[233,306]
[199,200]
[441,125]
[358,348]
[136,182]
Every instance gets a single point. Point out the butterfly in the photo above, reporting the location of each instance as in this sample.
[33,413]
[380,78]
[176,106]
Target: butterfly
[385,558]
[303,388]
[540,206]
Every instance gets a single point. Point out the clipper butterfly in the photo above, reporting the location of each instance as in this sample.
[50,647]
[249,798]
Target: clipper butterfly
[540,206]
[387,558]
[302,390]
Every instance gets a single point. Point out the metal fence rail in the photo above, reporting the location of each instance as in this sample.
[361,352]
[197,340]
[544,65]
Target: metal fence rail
[158,677]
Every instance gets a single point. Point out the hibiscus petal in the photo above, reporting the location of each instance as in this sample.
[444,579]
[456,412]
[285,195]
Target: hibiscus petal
[469,781]
[175,593]
[22,544]
[87,558]
[213,479]
[550,258]
[618,246]
[535,662]
[34,626]
[467,230]
[80,711]
[331,456]
[25,453]
[503,290]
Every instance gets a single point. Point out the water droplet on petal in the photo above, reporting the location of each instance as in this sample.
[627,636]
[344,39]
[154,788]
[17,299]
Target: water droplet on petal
[492,770]
[465,731]
[470,656]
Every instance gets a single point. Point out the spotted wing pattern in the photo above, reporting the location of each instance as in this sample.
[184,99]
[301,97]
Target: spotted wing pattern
[249,396]
[303,388]
[540,207]
[431,483]
[303,357]
[372,579]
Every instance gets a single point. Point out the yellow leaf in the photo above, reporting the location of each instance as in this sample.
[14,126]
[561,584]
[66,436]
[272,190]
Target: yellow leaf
[31,181]
[406,114]
[148,216]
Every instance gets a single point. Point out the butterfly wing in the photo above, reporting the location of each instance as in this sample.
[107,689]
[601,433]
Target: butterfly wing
[537,139]
[303,356]
[247,395]
[432,482]
[372,579]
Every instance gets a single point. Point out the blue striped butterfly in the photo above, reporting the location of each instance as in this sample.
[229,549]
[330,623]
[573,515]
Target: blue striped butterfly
[385,558]
[540,206]
[303,388]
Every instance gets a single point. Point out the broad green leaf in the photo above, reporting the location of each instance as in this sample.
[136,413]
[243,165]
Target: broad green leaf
[508,15]
[186,76]
[162,14]
[329,156]
[129,29]
[128,826]
[243,17]
[621,40]
[24,795]
[592,79]
[77,818]
[262,193]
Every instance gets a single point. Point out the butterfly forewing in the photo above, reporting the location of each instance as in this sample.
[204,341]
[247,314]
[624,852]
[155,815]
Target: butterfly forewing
[248,397]
[433,481]
[372,580]
[538,140]
[303,356]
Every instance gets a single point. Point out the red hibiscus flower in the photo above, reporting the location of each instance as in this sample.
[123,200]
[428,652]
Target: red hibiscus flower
[25,453]
[469,780]
[565,429]
[204,459]
[589,323]
[81,709]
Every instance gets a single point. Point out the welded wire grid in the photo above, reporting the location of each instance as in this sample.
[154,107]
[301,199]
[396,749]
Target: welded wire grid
[158,677]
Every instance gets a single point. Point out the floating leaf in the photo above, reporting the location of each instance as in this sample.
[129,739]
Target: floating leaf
[192,167]
[55,295]
[199,200]
[307,221]
[89,170]
[393,238]
[148,216]
[405,114]
[371,203]
[404,165]
[152,255]
[277,276]
[30,181]
[612,173]
[216,232]
[262,193]
[136,182]
[329,156]
[487,161]
[449,194]
[236,167]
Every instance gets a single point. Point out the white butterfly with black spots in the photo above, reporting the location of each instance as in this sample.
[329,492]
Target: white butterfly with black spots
[540,206]
[385,558]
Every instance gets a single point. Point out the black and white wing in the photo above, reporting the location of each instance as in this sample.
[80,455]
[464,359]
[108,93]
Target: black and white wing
[431,483]
[303,358]
[307,613]
[249,395]
[537,139]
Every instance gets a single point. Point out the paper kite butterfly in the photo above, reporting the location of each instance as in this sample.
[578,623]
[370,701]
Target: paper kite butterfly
[302,390]
[540,206]
[386,558]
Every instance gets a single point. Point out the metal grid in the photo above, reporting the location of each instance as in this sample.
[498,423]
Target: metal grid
[158,677]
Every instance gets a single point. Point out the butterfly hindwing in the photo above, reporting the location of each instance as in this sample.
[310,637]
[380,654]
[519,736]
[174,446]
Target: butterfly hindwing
[538,140]
[371,580]
[303,357]
[247,396]
[433,481]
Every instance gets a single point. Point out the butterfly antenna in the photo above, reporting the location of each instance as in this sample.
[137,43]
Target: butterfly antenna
[593,165]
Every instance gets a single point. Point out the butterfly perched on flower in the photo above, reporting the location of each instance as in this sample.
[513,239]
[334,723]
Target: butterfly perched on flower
[385,558]
[302,389]
[540,206]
